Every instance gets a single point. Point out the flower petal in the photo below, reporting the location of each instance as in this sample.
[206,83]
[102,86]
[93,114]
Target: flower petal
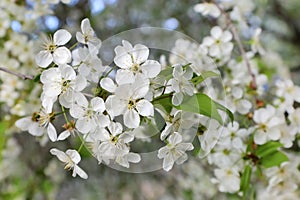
[108,84]
[131,118]
[61,37]
[43,59]
[151,68]
[61,56]
[145,108]
[52,132]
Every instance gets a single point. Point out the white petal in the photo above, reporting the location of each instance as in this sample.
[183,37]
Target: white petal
[175,138]
[80,172]
[214,50]
[123,60]
[60,155]
[97,104]
[67,72]
[216,32]
[115,128]
[260,137]
[84,125]
[108,84]
[74,155]
[168,162]
[35,129]
[151,68]
[61,37]
[61,56]
[140,53]
[226,37]
[131,119]
[145,108]
[43,59]
[80,38]
[52,132]
[24,123]
[177,99]
[80,83]
[124,77]
[162,152]
[86,26]
[115,106]
[77,111]
[64,135]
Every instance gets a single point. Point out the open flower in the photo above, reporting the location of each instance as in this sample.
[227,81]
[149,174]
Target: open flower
[88,36]
[54,51]
[38,124]
[268,121]
[132,61]
[174,151]
[89,115]
[181,84]
[61,81]
[128,100]
[71,158]
[218,43]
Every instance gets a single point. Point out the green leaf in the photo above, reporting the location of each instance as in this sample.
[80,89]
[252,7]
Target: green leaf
[159,120]
[274,159]
[245,179]
[267,149]
[223,108]
[199,79]
[167,73]
[202,104]
[3,127]
[164,102]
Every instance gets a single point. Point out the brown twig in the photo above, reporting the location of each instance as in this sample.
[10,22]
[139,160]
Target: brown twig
[22,76]
[239,43]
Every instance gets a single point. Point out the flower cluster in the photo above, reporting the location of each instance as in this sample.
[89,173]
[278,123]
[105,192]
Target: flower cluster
[248,126]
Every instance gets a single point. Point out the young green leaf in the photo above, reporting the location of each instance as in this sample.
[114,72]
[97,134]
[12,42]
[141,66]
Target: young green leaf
[245,179]
[199,79]
[201,104]
[267,149]
[274,159]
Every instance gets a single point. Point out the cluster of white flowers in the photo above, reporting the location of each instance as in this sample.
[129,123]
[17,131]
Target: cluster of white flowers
[105,106]
[107,119]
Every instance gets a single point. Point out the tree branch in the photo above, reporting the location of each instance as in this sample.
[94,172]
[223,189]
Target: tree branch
[22,76]
[239,43]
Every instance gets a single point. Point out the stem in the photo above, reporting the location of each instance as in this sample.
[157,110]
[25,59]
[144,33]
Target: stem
[65,116]
[83,144]
[22,76]
[239,43]
[73,46]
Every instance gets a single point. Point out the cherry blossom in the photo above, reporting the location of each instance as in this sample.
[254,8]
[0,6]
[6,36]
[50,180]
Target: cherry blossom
[71,158]
[54,51]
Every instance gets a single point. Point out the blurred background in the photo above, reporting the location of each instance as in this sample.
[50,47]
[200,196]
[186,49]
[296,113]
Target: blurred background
[32,175]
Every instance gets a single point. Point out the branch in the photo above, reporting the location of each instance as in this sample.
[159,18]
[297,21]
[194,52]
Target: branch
[240,46]
[22,76]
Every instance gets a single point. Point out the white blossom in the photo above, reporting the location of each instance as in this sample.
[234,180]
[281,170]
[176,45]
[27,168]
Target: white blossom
[54,51]
[208,9]
[174,151]
[71,158]
[88,37]
[38,124]
[89,115]
[133,61]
